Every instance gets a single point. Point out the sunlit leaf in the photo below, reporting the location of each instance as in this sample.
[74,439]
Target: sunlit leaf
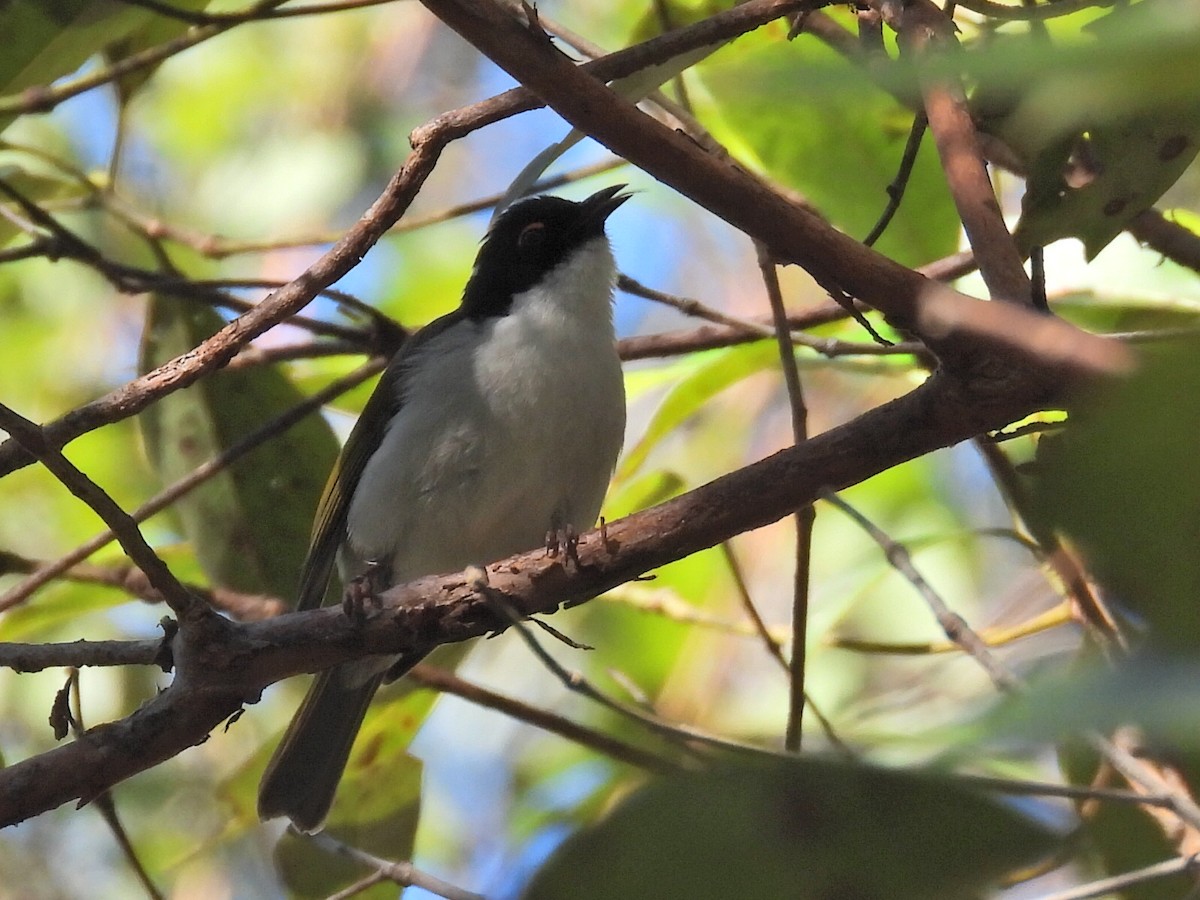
[804,115]
[721,368]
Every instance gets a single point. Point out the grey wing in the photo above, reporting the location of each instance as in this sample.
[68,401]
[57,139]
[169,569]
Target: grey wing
[329,526]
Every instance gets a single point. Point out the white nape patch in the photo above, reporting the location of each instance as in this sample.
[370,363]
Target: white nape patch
[510,427]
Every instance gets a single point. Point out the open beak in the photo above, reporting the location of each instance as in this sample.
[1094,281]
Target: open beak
[603,203]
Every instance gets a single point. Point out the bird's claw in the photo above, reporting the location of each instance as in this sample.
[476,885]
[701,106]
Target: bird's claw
[563,540]
[362,592]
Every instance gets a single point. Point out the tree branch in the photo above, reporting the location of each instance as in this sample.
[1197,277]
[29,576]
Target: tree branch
[38,657]
[790,232]
[922,31]
[219,671]
[123,526]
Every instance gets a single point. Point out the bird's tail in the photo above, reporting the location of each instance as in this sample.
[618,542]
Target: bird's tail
[303,775]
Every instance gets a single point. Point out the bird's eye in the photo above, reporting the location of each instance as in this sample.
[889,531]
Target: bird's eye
[532,236]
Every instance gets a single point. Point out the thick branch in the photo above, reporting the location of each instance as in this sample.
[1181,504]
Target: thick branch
[790,232]
[218,673]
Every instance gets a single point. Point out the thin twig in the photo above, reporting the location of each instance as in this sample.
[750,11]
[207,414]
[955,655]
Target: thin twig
[690,307]
[803,517]
[449,683]
[998,637]
[775,648]
[1107,887]
[359,887]
[952,623]
[1143,774]
[577,683]
[128,279]
[751,329]
[124,527]
[132,580]
[237,18]
[107,807]
[404,874]
[666,603]
[1067,791]
[895,190]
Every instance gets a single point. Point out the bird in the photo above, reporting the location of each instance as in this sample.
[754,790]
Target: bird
[493,430]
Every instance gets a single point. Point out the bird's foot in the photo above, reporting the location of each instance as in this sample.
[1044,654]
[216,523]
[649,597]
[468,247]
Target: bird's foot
[564,541]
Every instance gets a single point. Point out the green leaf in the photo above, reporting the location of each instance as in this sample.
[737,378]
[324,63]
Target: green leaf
[794,828]
[803,115]
[717,370]
[249,524]
[1137,159]
[1104,124]
[1122,481]
[157,30]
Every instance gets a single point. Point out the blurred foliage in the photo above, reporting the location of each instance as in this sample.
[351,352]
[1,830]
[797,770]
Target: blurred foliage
[1121,483]
[279,134]
[804,829]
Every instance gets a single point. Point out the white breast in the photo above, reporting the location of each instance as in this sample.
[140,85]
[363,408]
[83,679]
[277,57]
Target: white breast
[510,427]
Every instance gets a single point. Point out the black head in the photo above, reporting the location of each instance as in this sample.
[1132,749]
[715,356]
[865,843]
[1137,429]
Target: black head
[527,241]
